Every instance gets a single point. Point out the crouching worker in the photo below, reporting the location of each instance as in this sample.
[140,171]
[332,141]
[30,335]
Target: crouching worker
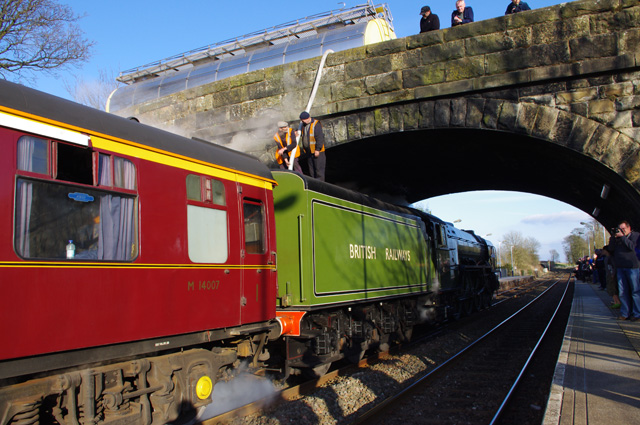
[285,143]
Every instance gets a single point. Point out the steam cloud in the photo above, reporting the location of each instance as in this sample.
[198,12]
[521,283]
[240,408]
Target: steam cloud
[239,391]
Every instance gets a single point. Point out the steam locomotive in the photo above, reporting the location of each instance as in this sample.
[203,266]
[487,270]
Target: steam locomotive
[137,266]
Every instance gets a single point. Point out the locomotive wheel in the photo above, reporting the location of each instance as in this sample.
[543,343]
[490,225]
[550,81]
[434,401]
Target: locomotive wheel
[487,297]
[468,295]
[479,293]
[468,306]
[354,356]
[456,309]
[407,334]
[356,353]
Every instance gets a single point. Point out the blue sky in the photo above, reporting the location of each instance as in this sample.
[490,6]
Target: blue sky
[133,33]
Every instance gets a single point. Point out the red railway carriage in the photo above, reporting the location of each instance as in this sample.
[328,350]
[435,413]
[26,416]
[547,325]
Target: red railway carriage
[134,264]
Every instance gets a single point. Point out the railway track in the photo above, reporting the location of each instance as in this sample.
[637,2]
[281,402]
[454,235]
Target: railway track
[477,384]
[439,345]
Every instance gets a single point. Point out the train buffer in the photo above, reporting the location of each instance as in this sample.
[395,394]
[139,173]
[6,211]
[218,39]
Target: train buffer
[597,378]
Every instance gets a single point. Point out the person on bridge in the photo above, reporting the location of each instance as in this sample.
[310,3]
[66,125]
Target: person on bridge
[623,246]
[429,21]
[312,145]
[285,143]
[516,6]
[462,14]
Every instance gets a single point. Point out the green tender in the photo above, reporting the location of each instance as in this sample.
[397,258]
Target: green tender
[334,251]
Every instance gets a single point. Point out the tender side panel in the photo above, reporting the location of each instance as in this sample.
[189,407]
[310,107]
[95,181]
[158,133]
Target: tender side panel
[340,251]
[359,252]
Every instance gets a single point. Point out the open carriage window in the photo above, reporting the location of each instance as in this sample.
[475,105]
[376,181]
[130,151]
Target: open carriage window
[57,219]
[74,164]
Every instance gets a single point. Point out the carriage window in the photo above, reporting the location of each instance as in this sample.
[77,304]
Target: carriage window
[217,196]
[100,225]
[105,174]
[194,192]
[205,189]
[254,240]
[207,234]
[33,154]
[206,225]
[124,173]
[74,164]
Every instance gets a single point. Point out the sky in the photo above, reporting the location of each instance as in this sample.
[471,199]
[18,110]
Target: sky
[130,33]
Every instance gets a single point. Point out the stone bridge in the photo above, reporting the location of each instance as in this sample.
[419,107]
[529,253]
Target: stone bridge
[546,102]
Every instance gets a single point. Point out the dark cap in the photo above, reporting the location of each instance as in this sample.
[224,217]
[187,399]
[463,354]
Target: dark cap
[425,9]
[304,115]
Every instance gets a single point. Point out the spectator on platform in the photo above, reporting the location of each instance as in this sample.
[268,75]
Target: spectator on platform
[600,270]
[312,145]
[429,21]
[622,246]
[285,142]
[583,269]
[516,6]
[612,280]
[462,14]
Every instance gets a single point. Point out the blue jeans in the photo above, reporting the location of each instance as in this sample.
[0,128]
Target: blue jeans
[629,287]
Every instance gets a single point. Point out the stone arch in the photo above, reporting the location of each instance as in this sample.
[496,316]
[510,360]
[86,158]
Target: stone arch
[583,154]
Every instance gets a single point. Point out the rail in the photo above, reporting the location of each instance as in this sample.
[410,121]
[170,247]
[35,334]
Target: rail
[376,414]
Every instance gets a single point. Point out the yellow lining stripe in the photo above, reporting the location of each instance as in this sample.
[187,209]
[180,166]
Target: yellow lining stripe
[139,150]
[74,264]
[177,162]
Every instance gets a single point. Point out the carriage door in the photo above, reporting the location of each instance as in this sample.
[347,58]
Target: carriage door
[255,256]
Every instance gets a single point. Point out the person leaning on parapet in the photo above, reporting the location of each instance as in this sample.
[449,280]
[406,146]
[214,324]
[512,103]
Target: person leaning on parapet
[622,245]
[516,6]
[462,14]
[429,21]
[312,145]
[286,142]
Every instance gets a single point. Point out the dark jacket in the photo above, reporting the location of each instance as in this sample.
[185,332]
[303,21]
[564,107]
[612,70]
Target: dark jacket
[311,137]
[467,16]
[430,23]
[624,253]
[515,8]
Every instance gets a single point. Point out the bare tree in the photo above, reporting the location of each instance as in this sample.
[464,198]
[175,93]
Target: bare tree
[93,93]
[39,35]
[575,245]
[523,251]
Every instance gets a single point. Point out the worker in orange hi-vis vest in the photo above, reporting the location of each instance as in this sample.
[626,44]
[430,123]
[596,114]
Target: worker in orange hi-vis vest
[286,142]
[312,145]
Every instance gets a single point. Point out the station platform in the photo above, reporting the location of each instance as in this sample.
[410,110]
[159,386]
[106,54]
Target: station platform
[511,281]
[597,378]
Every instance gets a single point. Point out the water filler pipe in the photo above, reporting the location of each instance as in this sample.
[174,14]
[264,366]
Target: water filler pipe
[316,83]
